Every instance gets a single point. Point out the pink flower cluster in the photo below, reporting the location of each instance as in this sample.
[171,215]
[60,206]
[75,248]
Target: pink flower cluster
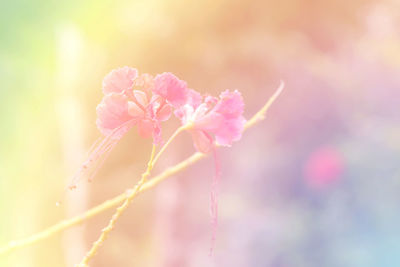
[144,101]
[131,99]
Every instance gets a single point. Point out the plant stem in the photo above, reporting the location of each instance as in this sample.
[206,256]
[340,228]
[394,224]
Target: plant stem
[260,115]
[111,203]
[106,205]
[175,134]
[106,231]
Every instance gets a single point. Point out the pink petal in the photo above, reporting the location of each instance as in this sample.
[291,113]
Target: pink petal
[230,105]
[155,103]
[194,98]
[209,122]
[202,142]
[164,113]
[141,97]
[230,130]
[119,80]
[211,100]
[112,112]
[171,88]
[181,114]
[144,82]
[134,110]
[145,128]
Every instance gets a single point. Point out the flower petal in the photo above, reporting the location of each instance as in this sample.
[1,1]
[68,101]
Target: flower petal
[209,122]
[171,88]
[141,97]
[119,80]
[230,105]
[194,98]
[112,112]
[164,113]
[184,113]
[202,142]
[145,128]
[134,110]
[230,130]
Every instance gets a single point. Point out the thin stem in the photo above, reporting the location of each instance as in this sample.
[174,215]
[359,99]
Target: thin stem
[260,115]
[106,231]
[173,136]
[111,203]
[101,208]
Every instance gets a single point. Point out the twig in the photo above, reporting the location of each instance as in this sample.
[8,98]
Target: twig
[111,203]
[111,224]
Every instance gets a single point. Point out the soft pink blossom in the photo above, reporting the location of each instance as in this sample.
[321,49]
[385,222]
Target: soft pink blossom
[219,117]
[119,80]
[131,98]
[171,88]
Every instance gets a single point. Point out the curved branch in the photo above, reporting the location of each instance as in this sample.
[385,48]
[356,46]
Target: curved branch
[112,203]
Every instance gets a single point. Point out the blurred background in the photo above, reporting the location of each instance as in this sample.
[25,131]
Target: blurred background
[315,184]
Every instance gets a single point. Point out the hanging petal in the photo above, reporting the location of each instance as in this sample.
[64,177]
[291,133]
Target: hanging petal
[214,199]
[201,141]
[145,128]
[98,154]
[210,122]
[134,110]
[229,131]
[112,112]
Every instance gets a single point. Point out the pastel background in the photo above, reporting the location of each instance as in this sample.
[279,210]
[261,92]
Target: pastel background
[316,184]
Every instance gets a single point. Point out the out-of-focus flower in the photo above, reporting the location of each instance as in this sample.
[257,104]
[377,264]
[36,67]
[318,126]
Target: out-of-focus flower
[324,166]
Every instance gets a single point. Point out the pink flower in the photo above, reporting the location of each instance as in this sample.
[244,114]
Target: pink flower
[132,98]
[119,80]
[171,88]
[219,117]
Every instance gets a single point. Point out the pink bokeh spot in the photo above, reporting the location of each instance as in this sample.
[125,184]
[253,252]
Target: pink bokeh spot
[324,167]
